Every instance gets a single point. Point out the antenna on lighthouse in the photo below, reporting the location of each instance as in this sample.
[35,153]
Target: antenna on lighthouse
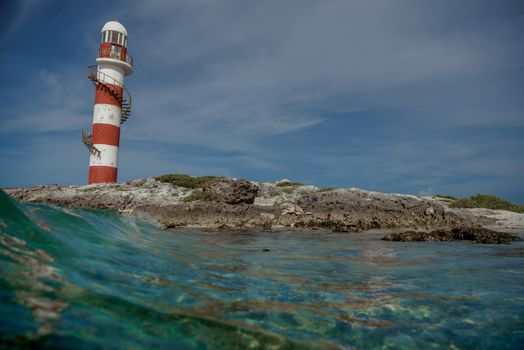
[112,103]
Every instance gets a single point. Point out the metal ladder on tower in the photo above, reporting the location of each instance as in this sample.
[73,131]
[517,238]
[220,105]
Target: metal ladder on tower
[100,80]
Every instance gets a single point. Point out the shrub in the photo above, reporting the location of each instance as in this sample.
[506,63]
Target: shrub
[187,181]
[289,183]
[196,195]
[487,201]
[444,196]
[326,189]
[288,190]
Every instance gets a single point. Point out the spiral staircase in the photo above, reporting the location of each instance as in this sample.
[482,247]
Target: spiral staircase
[100,80]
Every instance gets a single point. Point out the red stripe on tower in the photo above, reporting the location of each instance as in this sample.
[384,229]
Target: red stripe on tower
[100,174]
[106,134]
[108,94]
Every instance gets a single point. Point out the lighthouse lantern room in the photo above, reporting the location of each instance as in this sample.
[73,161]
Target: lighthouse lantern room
[112,103]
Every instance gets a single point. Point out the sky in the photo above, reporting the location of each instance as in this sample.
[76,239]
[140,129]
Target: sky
[407,96]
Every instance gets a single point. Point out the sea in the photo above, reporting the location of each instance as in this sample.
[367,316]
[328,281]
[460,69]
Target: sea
[92,279]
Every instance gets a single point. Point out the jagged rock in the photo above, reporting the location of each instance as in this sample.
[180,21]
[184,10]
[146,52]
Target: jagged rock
[268,216]
[293,210]
[476,234]
[230,191]
[484,235]
[430,211]
[356,210]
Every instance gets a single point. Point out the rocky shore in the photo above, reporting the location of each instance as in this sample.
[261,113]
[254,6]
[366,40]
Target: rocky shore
[230,203]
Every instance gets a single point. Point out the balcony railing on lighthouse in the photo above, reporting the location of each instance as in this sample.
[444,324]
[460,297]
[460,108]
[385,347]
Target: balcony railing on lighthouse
[116,52]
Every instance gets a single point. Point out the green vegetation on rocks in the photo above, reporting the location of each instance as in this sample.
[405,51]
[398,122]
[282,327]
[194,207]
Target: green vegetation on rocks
[326,189]
[196,195]
[186,181]
[487,201]
[289,183]
[445,196]
[89,189]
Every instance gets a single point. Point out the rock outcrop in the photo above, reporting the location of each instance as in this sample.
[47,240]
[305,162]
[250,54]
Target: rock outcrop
[230,191]
[475,234]
[240,204]
[354,209]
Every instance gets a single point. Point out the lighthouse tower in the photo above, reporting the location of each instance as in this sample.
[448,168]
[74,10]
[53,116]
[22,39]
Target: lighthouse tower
[112,103]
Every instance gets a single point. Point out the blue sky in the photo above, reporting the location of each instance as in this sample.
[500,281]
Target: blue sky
[409,96]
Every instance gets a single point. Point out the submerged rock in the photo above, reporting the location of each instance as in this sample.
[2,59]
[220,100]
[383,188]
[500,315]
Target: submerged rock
[230,191]
[484,235]
[416,236]
[476,234]
[516,252]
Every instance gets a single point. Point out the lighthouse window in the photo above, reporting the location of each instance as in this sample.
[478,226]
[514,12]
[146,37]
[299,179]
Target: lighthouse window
[116,52]
[105,36]
[114,36]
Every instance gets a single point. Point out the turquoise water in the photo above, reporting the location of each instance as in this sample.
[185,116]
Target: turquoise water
[90,279]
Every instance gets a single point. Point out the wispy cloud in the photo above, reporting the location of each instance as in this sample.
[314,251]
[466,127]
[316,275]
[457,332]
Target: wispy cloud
[49,101]
[261,69]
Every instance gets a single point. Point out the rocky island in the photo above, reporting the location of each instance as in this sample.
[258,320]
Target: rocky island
[183,201]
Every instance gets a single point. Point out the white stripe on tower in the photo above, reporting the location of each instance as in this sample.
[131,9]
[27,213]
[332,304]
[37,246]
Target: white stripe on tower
[106,114]
[108,156]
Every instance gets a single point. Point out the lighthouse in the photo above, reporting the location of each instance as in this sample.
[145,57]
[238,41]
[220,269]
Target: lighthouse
[112,103]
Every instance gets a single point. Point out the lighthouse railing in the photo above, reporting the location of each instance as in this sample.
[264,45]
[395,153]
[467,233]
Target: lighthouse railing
[129,59]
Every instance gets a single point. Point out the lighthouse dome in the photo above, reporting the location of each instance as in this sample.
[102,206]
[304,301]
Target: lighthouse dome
[116,26]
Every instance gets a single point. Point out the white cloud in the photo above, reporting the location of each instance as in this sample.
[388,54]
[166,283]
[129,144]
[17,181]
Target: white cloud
[51,101]
[261,68]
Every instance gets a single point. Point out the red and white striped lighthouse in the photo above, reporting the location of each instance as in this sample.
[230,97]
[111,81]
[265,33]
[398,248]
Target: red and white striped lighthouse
[112,103]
